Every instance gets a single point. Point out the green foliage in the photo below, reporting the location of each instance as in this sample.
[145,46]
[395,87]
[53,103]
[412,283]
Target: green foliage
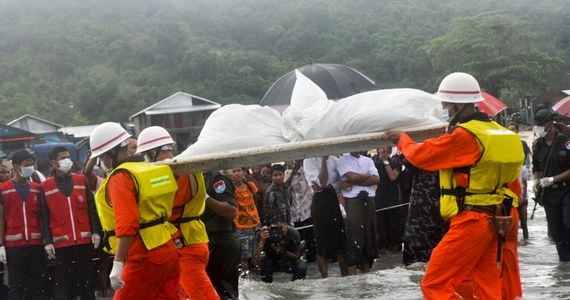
[499,50]
[85,62]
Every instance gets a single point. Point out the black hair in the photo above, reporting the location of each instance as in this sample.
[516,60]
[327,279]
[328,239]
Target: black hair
[21,155]
[514,124]
[56,151]
[277,167]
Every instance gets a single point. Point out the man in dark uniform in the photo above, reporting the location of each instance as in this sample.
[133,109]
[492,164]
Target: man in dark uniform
[551,170]
[225,249]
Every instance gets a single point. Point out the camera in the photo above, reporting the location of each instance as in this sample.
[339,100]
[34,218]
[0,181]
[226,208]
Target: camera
[275,234]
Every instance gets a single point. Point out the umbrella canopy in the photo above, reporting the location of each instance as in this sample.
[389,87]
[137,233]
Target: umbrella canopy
[337,81]
[563,106]
[491,105]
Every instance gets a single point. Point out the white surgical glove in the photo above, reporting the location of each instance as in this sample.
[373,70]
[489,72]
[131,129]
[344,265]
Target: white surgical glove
[50,251]
[536,185]
[546,181]
[115,276]
[3,255]
[96,240]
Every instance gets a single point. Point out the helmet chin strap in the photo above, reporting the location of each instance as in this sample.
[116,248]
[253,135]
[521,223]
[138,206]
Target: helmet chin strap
[456,117]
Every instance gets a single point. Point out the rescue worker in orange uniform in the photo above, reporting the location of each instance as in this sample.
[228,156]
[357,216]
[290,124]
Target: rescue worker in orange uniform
[134,203]
[70,227]
[21,247]
[191,239]
[476,159]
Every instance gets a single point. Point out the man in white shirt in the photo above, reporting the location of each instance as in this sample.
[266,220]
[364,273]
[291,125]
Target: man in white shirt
[358,178]
[325,211]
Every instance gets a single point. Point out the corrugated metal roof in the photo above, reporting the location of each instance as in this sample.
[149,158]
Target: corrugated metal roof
[179,103]
[78,131]
[34,124]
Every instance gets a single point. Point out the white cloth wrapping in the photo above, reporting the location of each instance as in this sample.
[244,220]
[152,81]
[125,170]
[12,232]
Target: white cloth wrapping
[312,116]
[236,127]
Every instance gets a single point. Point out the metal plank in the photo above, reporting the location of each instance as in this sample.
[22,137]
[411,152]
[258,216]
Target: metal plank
[293,150]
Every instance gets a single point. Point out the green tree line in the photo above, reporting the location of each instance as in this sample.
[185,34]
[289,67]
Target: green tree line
[84,62]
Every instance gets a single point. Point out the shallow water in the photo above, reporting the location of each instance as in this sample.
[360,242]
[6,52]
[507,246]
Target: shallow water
[543,277]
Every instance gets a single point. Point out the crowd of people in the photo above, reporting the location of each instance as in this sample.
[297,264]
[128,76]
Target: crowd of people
[153,232]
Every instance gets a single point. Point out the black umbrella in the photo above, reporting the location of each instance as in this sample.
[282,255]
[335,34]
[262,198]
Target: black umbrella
[337,81]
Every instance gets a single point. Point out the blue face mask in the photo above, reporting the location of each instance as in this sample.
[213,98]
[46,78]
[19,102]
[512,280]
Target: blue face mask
[27,171]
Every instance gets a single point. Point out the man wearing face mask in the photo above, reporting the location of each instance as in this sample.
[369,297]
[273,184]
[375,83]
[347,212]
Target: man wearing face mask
[70,227]
[20,233]
[551,172]
[476,161]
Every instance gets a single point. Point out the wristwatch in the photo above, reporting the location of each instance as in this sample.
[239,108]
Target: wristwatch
[386,162]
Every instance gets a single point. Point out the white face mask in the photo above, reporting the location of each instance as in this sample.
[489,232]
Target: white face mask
[27,171]
[539,131]
[65,165]
[103,166]
[445,115]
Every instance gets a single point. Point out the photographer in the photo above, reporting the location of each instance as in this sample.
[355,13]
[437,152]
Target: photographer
[278,249]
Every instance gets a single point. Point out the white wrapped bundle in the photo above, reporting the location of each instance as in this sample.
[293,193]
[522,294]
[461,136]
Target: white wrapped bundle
[312,116]
[236,127]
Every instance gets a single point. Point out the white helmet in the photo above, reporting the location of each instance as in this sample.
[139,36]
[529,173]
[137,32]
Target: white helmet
[105,137]
[459,88]
[153,137]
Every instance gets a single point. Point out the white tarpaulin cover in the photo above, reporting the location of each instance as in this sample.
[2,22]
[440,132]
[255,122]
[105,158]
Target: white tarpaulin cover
[235,127]
[312,116]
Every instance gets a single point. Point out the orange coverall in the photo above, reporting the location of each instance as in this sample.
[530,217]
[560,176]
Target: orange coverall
[148,274]
[193,257]
[469,248]
[510,273]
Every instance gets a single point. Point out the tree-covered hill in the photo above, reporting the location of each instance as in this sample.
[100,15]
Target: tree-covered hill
[82,62]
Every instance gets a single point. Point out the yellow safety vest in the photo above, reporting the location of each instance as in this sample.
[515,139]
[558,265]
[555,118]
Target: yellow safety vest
[156,187]
[194,231]
[500,163]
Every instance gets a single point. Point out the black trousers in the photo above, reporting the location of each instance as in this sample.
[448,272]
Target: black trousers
[27,272]
[557,208]
[308,235]
[74,272]
[269,265]
[225,255]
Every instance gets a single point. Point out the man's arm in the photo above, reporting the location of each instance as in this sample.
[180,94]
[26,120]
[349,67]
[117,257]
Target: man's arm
[44,219]
[456,149]
[260,245]
[222,208]
[362,179]
[93,216]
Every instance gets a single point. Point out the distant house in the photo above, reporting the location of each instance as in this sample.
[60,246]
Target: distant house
[182,114]
[46,130]
[13,138]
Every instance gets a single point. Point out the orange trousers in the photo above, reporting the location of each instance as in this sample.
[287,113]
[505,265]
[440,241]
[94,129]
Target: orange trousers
[510,274]
[469,248]
[193,277]
[152,277]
